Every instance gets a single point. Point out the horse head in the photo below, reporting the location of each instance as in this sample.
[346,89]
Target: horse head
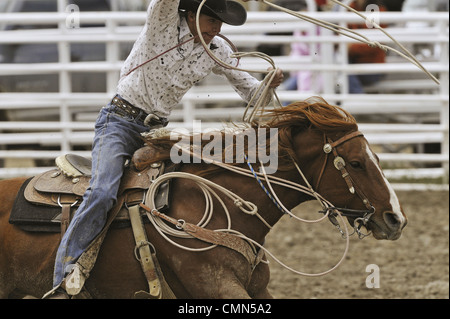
[340,165]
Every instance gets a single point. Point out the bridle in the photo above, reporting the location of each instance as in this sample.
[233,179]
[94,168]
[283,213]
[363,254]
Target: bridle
[361,216]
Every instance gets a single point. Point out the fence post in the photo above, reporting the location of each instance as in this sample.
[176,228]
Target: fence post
[65,83]
[444,91]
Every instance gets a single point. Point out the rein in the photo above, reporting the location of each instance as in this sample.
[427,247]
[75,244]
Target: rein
[157,218]
[262,95]
[361,216]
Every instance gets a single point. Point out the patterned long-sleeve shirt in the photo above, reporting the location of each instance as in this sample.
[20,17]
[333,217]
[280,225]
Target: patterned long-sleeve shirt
[158,86]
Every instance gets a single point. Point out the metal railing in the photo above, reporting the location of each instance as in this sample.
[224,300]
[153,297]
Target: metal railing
[421,106]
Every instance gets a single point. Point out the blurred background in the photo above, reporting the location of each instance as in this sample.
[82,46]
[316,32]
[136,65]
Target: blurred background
[60,63]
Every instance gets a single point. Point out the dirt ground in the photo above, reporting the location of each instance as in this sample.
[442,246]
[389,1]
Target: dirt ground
[414,266]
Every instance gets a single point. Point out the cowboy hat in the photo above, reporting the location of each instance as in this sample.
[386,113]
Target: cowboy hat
[227,11]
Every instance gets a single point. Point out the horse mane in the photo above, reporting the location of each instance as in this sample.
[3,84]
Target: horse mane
[313,113]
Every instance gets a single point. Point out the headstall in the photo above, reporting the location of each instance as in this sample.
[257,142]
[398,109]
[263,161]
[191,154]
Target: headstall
[361,216]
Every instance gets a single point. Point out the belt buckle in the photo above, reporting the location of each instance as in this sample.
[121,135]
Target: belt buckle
[125,106]
[133,112]
[154,120]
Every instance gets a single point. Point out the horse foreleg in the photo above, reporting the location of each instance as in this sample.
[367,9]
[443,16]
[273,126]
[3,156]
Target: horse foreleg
[232,290]
[263,294]
[259,282]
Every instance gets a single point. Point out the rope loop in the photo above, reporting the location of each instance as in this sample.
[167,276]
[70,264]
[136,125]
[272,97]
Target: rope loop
[253,209]
[262,95]
[238,203]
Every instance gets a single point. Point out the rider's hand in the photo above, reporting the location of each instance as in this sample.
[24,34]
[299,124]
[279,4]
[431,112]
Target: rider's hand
[278,79]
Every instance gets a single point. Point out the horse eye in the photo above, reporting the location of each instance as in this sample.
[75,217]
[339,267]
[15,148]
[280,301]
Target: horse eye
[356,164]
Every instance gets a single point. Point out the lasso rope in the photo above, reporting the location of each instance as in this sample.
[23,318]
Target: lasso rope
[246,207]
[262,95]
[355,35]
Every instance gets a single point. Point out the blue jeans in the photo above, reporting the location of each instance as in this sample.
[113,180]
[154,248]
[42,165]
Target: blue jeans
[116,139]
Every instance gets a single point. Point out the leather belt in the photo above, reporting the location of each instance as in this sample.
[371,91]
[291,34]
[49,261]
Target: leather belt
[125,108]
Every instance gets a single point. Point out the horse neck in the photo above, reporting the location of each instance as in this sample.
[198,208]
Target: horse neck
[288,197]
[249,189]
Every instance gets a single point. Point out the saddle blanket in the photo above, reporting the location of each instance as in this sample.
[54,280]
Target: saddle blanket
[39,218]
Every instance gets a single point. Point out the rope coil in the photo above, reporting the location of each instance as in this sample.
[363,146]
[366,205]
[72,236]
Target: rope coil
[262,95]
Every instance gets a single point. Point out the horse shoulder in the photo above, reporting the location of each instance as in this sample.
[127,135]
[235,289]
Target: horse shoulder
[8,191]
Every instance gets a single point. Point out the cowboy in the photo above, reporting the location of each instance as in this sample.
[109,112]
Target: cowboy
[148,90]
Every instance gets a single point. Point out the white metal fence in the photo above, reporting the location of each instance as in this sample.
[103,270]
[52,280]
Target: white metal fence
[401,115]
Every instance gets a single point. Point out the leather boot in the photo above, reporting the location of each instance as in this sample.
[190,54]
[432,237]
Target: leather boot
[58,293]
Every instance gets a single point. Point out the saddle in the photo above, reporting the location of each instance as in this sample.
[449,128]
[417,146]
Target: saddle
[56,194]
[59,192]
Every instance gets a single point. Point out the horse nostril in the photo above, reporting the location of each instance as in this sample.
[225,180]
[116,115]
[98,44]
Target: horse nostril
[392,220]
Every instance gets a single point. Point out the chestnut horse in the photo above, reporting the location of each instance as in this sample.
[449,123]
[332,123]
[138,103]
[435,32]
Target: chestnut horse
[27,259]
